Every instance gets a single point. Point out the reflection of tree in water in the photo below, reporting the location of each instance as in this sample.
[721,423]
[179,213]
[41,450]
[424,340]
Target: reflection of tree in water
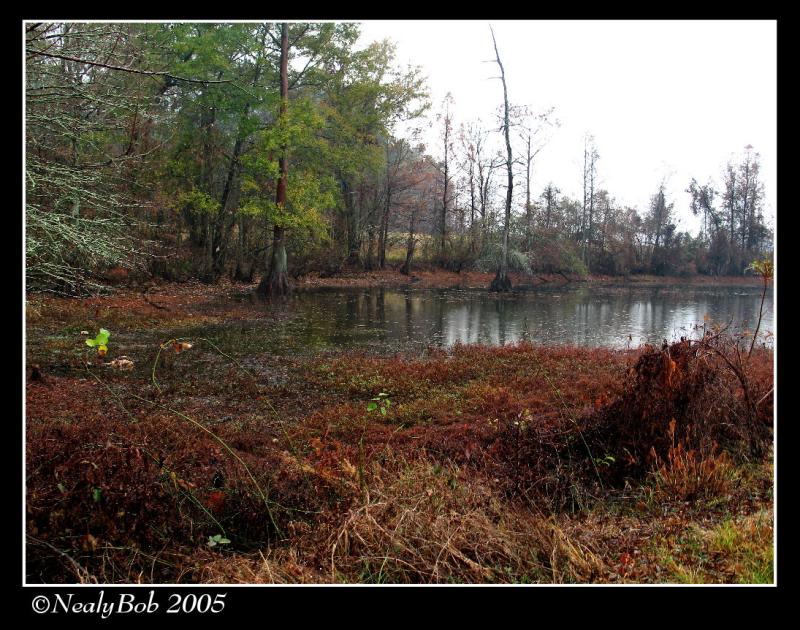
[380,315]
[409,318]
[443,317]
[351,310]
[500,309]
[438,329]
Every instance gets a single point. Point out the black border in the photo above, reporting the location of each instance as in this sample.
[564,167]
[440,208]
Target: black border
[262,603]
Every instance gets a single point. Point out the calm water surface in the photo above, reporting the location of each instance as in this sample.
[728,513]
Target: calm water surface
[386,319]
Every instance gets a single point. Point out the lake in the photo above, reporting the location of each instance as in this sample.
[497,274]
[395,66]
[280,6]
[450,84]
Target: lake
[385,319]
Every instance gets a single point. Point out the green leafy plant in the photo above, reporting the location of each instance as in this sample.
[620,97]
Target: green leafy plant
[100,342]
[217,539]
[604,461]
[381,401]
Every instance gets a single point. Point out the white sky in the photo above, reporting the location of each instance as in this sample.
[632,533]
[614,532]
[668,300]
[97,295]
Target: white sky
[670,99]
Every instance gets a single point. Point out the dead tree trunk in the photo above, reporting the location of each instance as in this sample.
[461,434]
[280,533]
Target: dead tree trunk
[501,281]
[383,235]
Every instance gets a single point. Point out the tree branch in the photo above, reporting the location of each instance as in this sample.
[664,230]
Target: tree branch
[149,73]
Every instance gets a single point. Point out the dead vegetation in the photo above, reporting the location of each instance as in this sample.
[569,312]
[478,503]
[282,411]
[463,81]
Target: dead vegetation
[510,464]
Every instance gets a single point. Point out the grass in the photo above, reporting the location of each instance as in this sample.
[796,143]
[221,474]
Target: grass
[735,549]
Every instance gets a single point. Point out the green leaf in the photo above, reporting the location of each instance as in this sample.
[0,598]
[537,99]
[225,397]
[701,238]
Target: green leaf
[383,410]
[100,340]
[97,493]
[372,406]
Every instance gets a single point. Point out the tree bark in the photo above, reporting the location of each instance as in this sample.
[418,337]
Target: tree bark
[411,243]
[384,226]
[276,281]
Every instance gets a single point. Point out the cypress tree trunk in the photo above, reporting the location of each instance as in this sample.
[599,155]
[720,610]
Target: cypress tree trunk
[383,235]
[276,281]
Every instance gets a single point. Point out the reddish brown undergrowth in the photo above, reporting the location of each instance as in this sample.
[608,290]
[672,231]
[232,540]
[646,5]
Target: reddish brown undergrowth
[469,476]
[116,489]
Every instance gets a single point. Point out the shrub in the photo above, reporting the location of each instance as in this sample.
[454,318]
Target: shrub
[490,258]
[695,384]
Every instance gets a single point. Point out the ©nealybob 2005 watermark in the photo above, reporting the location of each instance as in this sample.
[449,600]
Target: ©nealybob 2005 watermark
[127,603]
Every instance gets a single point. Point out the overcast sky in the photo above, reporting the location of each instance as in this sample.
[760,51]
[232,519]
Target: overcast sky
[672,99]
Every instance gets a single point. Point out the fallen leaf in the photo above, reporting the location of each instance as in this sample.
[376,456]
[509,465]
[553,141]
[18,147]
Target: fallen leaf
[348,468]
[89,543]
[121,363]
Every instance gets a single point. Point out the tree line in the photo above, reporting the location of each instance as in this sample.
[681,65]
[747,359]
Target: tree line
[273,149]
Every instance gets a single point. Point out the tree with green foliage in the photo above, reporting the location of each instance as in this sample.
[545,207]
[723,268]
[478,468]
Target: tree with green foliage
[200,150]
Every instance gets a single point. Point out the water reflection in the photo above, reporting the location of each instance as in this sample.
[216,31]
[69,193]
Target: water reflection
[584,316]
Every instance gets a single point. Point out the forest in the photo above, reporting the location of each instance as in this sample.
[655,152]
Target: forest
[251,151]
[289,319]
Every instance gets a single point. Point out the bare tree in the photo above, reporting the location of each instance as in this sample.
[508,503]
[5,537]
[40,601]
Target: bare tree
[534,140]
[447,121]
[416,202]
[466,137]
[501,281]
[482,164]
[590,157]
[550,198]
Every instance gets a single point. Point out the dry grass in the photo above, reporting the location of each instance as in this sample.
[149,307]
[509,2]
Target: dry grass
[434,524]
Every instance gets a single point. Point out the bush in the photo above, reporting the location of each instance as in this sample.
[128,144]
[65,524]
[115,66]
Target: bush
[556,255]
[491,256]
[692,384]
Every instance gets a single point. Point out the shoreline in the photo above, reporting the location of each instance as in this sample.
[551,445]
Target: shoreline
[440,279]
